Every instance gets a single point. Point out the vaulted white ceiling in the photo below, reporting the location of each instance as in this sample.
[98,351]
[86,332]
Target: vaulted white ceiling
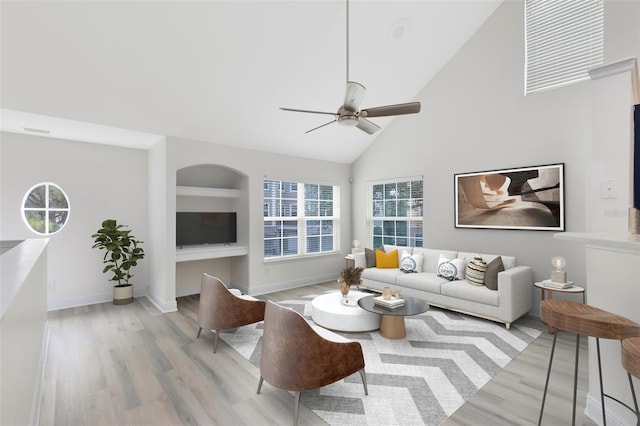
[128,72]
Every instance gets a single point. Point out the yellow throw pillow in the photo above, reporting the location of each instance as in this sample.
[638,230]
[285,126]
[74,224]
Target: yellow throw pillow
[387,260]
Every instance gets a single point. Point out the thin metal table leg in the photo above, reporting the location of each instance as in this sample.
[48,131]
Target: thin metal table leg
[546,383]
[635,400]
[575,380]
[604,416]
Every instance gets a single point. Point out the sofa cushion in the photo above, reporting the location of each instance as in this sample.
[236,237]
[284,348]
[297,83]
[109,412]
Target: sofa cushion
[411,262]
[385,275]
[389,248]
[431,257]
[370,256]
[451,269]
[491,275]
[423,281]
[475,271]
[465,291]
[468,255]
[508,261]
[387,260]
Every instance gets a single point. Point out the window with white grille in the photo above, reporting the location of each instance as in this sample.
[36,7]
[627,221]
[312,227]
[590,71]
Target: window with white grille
[299,218]
[45,208]
[395,213]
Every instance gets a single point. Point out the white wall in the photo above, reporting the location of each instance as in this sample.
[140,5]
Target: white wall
[101,182]
[475,117]
[250,273]
[96,192]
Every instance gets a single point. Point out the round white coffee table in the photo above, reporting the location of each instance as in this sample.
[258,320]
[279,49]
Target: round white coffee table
[330,312]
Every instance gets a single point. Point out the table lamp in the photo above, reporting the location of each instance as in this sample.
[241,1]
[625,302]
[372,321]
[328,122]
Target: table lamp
[560,273]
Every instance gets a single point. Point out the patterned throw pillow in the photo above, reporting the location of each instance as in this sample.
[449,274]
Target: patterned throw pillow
[450,269]
[411,263]
[475,271]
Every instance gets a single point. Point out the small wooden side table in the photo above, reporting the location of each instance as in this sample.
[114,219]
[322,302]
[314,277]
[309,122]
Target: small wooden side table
[350,260]
[548,291]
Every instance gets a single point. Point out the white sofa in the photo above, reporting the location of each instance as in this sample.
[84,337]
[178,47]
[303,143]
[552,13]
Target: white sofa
[512,299]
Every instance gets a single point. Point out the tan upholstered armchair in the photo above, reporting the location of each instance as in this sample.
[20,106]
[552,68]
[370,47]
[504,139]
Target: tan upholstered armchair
[298,357]
[222,308]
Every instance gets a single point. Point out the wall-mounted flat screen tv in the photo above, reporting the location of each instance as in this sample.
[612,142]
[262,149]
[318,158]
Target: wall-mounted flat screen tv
[205,228]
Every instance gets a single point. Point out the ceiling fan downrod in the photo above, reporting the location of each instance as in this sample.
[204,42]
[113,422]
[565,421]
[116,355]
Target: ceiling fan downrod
[347,27]
[349,113]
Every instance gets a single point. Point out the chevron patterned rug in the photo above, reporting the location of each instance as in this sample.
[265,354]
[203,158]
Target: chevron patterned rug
[419,380]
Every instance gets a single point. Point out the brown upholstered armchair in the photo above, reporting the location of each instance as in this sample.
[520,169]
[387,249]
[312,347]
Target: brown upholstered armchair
[222,308]
[298,357]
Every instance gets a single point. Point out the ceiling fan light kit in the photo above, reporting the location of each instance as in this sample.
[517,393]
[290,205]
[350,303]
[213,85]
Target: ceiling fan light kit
[350,114]
[348,120]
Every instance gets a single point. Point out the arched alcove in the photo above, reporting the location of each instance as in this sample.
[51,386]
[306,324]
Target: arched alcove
[209,176]
[212,188]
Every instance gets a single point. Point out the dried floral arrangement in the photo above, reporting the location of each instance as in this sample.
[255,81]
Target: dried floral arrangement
[351,275]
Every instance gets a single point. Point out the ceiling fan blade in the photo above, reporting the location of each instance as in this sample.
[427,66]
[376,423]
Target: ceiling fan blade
[367,126]
[399,109]
[316,128]
[308,111]
[354,96]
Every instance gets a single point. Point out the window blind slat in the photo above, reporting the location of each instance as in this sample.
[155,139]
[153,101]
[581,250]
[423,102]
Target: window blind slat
[563,39]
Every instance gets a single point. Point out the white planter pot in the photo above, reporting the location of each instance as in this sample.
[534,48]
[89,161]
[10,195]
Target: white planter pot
[122,295]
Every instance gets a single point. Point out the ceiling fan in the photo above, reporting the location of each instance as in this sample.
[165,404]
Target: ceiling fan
[350,113]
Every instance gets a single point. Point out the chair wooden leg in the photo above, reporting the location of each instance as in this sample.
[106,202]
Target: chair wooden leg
[260,384]
[296,408]
[215,340]
[199,330]
[364,381]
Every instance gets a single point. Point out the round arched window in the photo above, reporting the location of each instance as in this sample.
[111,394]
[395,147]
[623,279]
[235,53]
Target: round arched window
[45,208]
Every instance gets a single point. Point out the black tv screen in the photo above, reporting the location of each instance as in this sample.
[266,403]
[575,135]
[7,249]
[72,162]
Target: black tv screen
[205,228]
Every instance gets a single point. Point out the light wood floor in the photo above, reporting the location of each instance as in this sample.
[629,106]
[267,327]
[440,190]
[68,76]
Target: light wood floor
[132,365]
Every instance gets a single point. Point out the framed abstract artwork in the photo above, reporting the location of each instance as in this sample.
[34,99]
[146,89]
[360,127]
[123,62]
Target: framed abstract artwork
[530,198]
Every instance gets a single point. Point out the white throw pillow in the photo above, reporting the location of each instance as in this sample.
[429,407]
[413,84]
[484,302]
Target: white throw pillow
[411,262]
[451,269]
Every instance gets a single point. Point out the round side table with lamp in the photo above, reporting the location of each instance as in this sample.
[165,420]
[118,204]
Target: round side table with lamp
[558,283]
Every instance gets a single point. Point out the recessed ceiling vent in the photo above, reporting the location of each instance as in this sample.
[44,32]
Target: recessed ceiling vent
[32,130]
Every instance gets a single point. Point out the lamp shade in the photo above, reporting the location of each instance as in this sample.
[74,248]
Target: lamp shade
[559,263]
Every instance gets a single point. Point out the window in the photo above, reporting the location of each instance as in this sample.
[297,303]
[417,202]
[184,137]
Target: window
[45,208]
[396,213]
[563,39]
[299,218]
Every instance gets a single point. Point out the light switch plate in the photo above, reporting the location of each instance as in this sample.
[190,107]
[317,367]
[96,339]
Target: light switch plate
[608,188]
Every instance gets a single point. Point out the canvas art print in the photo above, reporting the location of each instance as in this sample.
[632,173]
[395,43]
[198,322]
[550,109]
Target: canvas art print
[529,198]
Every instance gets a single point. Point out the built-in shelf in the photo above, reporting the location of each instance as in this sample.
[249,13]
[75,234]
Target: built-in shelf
[198,191]
[211,251]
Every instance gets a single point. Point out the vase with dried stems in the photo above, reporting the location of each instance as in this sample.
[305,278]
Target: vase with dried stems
[348,277]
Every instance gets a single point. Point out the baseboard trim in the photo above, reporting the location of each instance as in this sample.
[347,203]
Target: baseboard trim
[55,305]
[288,285]
[617,415]
[164,307]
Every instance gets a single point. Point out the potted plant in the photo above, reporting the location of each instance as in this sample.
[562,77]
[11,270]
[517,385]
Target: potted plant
[122,254]
[348,277]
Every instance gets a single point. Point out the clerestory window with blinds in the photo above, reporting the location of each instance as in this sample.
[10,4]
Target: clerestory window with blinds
[563,39]
[299,219]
